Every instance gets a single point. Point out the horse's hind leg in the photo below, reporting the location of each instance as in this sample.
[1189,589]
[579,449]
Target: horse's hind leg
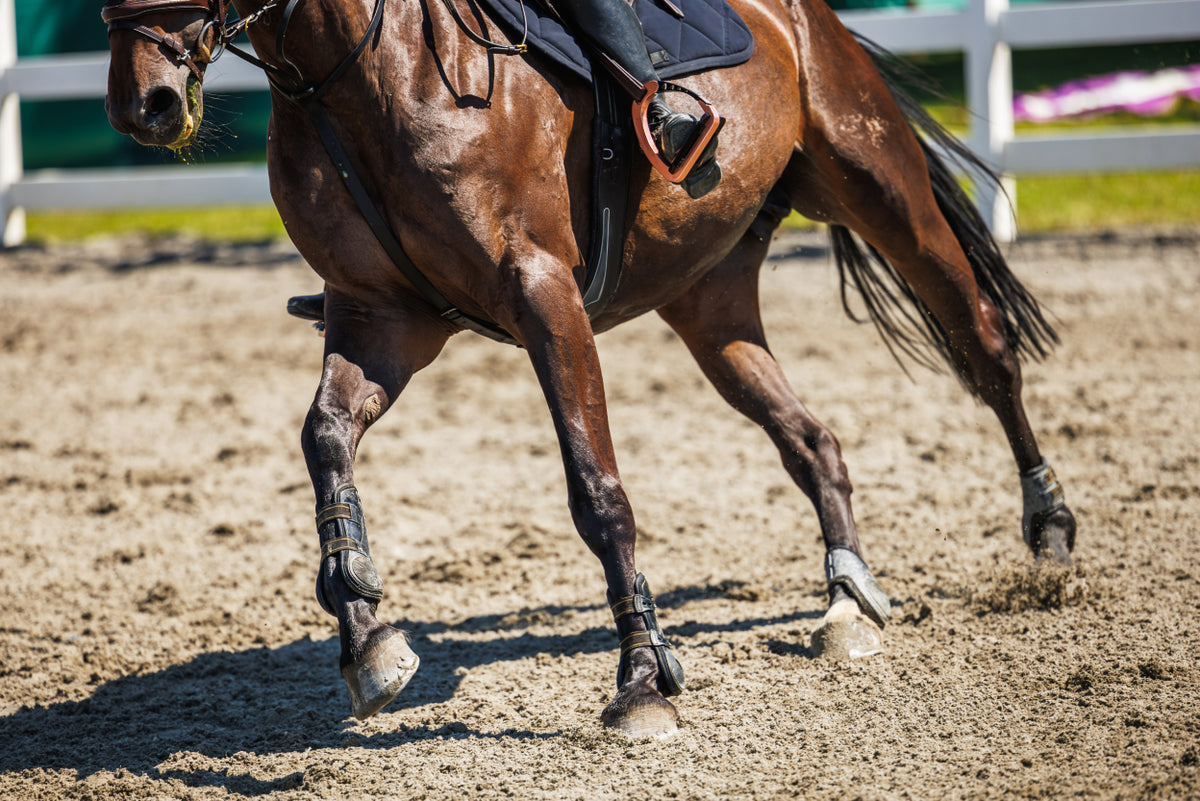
[368,361]
[860,165]
[718,319]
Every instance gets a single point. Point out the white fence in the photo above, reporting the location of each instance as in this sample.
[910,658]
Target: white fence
[986,32]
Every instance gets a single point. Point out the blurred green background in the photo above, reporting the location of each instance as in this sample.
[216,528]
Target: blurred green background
[75,134]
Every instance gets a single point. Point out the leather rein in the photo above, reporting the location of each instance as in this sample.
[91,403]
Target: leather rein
[289,82]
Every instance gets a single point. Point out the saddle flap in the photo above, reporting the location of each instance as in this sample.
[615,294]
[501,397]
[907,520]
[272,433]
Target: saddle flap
[710,34]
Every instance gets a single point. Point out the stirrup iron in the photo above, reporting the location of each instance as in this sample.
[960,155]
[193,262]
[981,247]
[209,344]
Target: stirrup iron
[342,530]
[670,672]
[679,170]
[846,568]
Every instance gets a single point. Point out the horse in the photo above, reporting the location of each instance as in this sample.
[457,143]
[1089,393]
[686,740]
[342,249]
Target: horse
[477,164]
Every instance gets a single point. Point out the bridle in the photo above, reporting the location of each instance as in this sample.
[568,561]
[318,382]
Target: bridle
[289,82]
[126,14]
[218,35]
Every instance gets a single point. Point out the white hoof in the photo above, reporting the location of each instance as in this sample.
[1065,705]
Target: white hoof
[643,721]
[380,675]
[846,633]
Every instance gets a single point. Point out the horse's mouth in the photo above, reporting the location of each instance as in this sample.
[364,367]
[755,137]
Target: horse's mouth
[177,132]
[191,124]
[193,111]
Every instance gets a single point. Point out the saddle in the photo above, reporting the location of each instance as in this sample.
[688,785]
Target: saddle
[684,37]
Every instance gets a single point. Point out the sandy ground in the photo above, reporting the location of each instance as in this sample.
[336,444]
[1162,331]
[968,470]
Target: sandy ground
[159,636]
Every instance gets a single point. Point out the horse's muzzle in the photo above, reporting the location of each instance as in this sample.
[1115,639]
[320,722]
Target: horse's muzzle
[159,117]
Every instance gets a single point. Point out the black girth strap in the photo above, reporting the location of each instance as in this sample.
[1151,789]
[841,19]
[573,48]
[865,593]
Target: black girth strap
[611,166]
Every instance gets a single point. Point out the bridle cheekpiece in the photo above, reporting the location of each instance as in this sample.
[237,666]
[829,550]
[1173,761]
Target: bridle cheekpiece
[126,15]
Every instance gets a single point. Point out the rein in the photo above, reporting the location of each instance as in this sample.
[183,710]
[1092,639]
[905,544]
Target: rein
[492,47]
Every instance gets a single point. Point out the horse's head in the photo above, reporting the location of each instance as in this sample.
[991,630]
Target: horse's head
[159,51]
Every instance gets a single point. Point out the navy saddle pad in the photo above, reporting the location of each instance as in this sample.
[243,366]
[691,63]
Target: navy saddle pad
[710,35]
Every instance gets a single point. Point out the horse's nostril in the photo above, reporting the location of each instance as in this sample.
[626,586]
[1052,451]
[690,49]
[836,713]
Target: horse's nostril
[161,102]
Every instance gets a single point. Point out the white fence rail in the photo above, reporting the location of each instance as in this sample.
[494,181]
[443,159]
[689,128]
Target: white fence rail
[986,32]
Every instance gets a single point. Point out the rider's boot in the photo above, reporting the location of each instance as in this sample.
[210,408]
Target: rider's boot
[613,28]
[307,307]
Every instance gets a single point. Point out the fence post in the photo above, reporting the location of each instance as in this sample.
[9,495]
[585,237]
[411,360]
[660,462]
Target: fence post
[12,217]
[990,98]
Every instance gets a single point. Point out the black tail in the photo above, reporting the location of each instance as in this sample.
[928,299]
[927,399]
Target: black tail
[903,320]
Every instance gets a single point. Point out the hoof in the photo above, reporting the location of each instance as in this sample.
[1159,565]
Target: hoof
[644,715]
[846,633]
[1055,537]
[380,675]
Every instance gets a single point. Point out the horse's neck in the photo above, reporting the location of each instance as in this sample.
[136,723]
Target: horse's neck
[318,34]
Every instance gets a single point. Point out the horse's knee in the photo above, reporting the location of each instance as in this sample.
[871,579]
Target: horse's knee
[329,432]
[326,435]
[345,406]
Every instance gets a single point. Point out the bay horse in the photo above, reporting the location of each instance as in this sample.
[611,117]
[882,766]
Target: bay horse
[478,164]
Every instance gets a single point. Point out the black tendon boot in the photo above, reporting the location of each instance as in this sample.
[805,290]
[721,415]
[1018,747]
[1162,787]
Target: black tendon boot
[613,28]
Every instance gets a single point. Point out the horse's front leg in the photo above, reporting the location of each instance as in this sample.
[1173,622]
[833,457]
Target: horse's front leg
[554,328]
[369,358]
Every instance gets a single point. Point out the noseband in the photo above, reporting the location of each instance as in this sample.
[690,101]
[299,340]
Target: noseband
[125,14]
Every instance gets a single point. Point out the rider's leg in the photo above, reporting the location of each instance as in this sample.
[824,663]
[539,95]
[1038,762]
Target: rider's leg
[613,28]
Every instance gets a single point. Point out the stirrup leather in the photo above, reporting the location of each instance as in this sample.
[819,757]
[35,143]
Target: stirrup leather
[342,530]
[670,672]
[711,122]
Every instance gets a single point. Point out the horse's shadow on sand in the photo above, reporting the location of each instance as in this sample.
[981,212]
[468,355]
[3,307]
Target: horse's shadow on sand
[288,699]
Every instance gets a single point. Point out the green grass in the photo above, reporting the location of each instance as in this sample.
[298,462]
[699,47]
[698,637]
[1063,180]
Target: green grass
[1114,201]
[226,223]
[1044,204]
